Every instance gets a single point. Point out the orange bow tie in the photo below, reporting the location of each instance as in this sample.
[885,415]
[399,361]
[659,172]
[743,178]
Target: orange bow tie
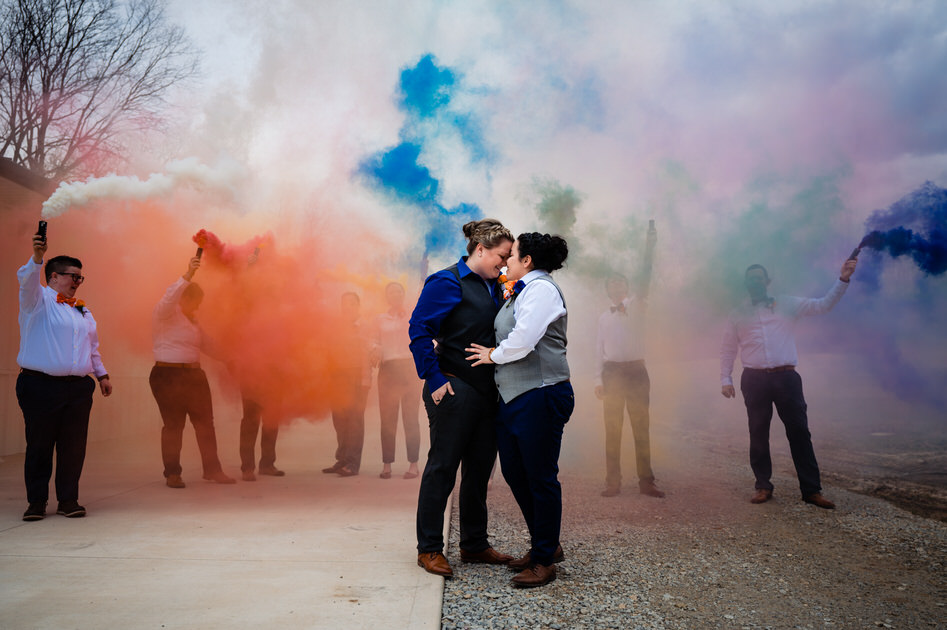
[62,299]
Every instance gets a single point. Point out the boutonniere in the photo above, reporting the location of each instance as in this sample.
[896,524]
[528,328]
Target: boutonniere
[513,289]
[507,286]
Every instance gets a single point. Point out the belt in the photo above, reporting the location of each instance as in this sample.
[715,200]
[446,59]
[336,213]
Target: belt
[70,378]
[184,366]
[773,370]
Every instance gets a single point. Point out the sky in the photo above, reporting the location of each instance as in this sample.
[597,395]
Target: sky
[750,132]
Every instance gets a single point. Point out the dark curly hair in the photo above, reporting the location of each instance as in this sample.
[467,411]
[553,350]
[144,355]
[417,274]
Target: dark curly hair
[548,252]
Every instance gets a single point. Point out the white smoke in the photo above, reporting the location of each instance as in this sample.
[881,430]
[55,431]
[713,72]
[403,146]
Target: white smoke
[221,179]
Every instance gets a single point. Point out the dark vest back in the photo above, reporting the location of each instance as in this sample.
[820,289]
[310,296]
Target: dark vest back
[470,321]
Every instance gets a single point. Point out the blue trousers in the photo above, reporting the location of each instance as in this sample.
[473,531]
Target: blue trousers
[761,392]
[529,437]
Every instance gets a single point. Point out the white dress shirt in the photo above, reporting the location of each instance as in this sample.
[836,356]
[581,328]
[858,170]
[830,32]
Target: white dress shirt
[764,334]
[176,339]
[537,305]
[391,336]
[54,338]
[621,336]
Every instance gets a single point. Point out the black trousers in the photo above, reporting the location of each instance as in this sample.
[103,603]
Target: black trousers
[182,393]
[250,426]
[529,438]
[463,434]
[56,415]
[626,385]
[399,387]
[348,417]
[761,391]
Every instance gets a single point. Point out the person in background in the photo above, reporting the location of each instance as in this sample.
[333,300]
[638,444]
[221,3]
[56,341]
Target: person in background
[622,379]
[536,397]
[253,423]
[59,347]
[351,378]
[398,385]
[177,381]
[761,330]
[457,306]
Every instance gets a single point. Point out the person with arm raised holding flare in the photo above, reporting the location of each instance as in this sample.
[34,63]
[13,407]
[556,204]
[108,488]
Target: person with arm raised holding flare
[761,331]
[59,347]
[177,381]
[457,305]
[536,397]
[622,379]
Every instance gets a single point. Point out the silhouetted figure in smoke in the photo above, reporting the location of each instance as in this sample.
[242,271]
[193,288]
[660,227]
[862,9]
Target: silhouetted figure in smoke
[398,384]
[351,378]
[177,381]
[456,307]
[253,423]
[762,330]
[622,379]
[536,397]
[59,347]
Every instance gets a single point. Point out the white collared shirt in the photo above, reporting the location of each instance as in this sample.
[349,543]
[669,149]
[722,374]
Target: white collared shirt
[764,335]
[391,336]
[537,305]
[620,336]
[176,339]
[54,338]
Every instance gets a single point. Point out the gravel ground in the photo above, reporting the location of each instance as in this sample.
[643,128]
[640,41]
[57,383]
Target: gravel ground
[704,557]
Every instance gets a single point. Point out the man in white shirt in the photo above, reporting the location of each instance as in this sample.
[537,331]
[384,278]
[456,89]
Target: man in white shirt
[621,378]
[761,329]
[59,347]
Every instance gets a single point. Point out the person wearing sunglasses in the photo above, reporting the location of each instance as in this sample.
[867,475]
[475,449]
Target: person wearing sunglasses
[59,348]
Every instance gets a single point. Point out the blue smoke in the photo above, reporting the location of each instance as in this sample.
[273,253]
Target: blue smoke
[425,96]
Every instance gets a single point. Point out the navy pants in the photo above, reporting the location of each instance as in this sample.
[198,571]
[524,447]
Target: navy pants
[761,392]
[348,417]
[56,414]
[463,434]
[250,426]
[529,437]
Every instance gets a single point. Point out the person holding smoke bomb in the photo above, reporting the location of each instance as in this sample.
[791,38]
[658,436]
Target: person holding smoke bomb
[761,330]
[59,347]
[177,381]
[621,379]
[351,379]
[457,306]
[398,386]
[536,397]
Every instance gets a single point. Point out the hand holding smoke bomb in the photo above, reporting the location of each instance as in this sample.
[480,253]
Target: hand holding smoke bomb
[39,243]
[192,266]
[848,268]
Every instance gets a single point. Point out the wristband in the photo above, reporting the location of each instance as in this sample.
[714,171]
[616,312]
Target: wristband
[102,378]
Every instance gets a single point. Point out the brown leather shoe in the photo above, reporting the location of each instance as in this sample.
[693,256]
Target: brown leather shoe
[648,488]
[536,575]
[174,481]
[435,562]
[820,501]
[487,556]
[219,477]
[526,561]
[611,491]
[761,496]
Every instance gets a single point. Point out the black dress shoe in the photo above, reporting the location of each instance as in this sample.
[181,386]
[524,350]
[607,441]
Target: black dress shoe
[71,509]
[345,471]
[612,491]
[35,512]
[334,468]
[271,471]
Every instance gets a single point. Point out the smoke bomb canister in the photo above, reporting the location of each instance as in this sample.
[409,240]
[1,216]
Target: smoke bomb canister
[855,253]
[41,231]
[200,252]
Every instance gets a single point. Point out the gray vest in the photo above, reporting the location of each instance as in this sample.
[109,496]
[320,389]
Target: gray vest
[545,365]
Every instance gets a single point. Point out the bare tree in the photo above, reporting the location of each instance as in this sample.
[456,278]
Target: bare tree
[79,77]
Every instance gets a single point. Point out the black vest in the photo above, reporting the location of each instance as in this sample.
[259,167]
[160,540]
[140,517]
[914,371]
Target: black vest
[470,321]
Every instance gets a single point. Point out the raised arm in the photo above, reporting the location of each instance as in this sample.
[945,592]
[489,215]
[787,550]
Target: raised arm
[167,304]
[28,276]
[824,304]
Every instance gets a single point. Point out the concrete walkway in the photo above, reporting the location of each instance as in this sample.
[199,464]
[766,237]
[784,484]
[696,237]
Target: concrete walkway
[307,550]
